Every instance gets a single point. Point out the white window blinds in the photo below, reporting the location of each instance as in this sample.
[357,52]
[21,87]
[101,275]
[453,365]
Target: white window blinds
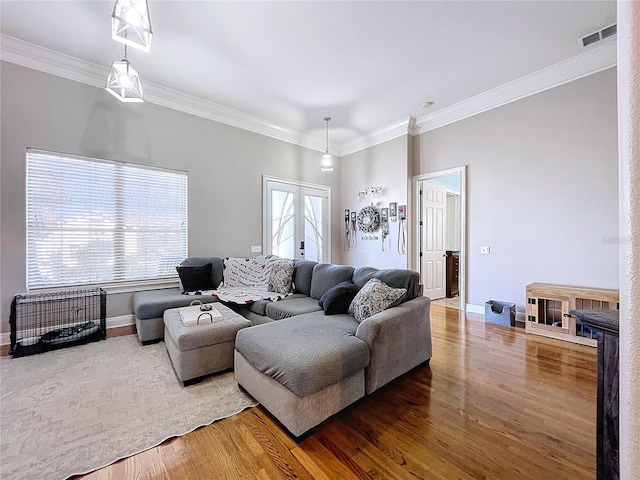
[95,221]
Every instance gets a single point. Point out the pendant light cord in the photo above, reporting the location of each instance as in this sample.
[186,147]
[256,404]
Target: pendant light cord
[326,119]
[126,31]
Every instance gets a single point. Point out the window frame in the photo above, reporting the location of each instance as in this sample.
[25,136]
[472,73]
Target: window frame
[113,286]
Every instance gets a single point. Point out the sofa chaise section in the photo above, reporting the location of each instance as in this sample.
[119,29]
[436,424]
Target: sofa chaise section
[302,369]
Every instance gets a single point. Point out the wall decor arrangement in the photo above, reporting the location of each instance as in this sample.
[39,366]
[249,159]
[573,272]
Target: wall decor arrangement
[369,219]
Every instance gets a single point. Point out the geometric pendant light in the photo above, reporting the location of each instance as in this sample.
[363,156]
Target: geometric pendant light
[327,159]
[123,81]
[131,24]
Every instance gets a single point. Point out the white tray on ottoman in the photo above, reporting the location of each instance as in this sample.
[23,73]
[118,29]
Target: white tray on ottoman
[199,350]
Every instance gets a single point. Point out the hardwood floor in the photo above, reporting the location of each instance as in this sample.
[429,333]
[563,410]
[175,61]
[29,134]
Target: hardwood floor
[495,403]
[448,302]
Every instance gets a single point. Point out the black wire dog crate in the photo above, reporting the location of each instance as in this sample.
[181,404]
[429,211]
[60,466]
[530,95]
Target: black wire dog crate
[45,321]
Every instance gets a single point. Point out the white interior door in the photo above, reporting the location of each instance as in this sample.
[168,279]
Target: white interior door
[296,220]
[433,215]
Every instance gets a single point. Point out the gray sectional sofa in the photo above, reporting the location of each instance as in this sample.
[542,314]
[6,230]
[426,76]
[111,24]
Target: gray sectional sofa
[303,365]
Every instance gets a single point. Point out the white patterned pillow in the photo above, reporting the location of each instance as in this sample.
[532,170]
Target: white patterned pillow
[246,272]
[374,297]
[281,276]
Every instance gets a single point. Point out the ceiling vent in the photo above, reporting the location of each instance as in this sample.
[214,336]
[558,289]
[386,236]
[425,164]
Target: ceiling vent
[599,35]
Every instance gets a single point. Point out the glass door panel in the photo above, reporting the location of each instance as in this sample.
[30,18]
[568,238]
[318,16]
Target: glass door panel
[282,224]
[313,228]
[296,220]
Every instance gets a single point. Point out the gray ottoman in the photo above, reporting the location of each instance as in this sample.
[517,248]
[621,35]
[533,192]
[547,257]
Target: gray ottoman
[202,349]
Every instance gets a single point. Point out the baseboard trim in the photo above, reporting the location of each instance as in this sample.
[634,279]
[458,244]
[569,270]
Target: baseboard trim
[471,308]
[112,322]
[121,321]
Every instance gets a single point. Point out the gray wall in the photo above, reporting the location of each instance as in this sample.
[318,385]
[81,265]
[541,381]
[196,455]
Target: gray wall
[225,165]
[542,188]
[542,178]
[385,165]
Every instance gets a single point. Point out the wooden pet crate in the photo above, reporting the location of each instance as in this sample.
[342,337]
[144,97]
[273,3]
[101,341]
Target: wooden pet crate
[548,307]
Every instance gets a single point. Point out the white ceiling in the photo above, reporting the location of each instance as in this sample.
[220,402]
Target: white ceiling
[365,64]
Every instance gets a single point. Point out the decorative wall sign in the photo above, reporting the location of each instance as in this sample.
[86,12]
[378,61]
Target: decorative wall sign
[369,219]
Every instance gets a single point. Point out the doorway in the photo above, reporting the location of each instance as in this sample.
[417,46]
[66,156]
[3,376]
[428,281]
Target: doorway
[296,219]
[440,257]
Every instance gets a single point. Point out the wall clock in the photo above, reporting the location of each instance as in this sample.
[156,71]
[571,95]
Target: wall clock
[369,219]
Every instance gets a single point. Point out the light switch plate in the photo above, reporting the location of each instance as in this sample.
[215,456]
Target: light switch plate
[485,250]
[256,248]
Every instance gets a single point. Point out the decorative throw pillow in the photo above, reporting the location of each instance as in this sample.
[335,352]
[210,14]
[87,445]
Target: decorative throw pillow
[246,272]
[337,299]
[281,276]
[196,277]
[374,297]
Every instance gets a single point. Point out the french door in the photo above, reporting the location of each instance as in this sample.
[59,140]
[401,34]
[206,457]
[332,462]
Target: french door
[296,219]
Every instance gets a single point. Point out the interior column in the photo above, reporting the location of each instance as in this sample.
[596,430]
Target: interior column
[629,182]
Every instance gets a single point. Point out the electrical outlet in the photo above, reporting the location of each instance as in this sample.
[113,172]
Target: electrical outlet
[485,250]
[256,248]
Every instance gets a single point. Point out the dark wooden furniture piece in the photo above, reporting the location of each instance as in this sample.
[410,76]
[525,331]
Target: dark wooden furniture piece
[606,322]
[453,260]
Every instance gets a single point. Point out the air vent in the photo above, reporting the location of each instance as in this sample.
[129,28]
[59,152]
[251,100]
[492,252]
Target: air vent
[599,35]
[609,31]
[590,39]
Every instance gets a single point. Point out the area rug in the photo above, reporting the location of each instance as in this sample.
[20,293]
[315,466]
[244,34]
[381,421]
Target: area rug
[72,411]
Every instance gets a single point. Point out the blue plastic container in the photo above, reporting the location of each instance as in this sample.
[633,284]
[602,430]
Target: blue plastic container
[502,313]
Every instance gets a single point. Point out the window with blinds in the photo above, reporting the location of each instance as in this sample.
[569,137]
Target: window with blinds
[93,221]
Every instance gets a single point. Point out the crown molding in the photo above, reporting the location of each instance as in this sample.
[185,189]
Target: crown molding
[592,61]
[39,58]
[588,63]
[33,56]
[49,61]
[381,135]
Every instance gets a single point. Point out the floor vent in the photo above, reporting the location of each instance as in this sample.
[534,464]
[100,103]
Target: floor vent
[599,35]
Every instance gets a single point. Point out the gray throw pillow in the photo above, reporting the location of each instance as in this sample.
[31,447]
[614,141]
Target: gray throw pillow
[281,276]
[374,297]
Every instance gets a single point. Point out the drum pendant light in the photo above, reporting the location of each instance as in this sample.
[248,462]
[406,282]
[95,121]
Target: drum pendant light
[327,158]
